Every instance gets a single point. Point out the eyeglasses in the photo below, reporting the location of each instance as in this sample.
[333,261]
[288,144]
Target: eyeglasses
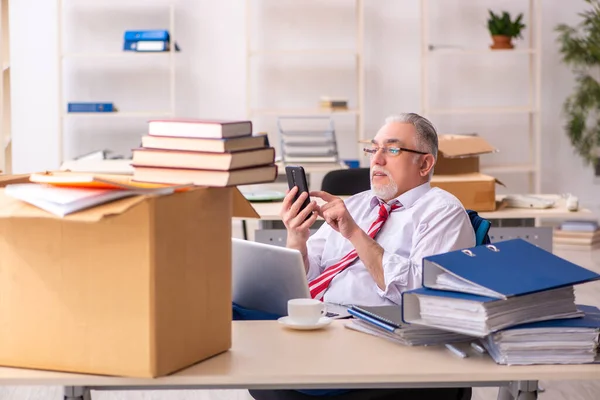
[392,151]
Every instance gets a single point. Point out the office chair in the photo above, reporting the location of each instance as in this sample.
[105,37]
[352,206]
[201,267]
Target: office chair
[346,182]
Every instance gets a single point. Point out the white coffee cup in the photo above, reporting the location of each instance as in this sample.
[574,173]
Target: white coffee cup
[305,311]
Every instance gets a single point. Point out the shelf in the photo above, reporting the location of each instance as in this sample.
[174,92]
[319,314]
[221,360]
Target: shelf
[459,51]
[117,114]
[122,54]
[302,111]
[482,110]
[305,52]
[118,3]
[508,169]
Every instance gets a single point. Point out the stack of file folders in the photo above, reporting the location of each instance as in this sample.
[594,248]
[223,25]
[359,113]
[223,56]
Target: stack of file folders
[487,288]
[562,341]
[386,322]
[484,291]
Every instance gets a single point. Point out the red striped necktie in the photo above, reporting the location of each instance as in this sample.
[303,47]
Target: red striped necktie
[318,286]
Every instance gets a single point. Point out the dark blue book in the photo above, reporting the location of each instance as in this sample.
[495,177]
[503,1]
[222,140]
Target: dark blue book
[502,270]
[74,107]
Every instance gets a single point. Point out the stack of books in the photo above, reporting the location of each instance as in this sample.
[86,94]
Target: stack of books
[204,153]
[64,193]
[386,322]
[491,288]
[577,234]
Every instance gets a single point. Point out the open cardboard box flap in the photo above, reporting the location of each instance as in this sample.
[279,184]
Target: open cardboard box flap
[10,179]
[14,208]
[463,146]
[469,177]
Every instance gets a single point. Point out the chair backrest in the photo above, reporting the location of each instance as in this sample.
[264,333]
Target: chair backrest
[346,182]
[481,226]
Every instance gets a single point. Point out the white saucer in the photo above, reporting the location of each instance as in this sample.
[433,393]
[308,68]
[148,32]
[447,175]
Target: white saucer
[321,323]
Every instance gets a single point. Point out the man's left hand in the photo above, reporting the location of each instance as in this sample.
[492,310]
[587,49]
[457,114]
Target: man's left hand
[335,213]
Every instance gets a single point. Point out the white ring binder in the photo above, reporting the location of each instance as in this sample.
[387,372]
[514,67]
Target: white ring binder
[492,248]
[468,252]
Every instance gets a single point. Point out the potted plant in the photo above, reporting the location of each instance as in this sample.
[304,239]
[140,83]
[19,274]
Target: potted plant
[580,49]
[503,29]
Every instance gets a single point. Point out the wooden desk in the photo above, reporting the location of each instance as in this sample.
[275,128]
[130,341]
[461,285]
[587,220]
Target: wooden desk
[265,355]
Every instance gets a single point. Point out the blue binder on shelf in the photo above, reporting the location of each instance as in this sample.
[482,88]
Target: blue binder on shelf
[141,35]
[502,270]
[73,107]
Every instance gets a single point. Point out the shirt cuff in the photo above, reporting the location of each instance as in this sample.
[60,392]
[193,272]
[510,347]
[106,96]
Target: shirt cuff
[399,274]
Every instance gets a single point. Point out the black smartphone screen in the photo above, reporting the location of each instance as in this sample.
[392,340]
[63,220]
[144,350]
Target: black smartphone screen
[297,177]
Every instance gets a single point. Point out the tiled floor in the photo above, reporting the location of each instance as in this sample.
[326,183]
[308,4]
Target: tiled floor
[586,390]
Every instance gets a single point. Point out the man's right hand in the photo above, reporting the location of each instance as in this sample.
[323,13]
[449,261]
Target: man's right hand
[296,223]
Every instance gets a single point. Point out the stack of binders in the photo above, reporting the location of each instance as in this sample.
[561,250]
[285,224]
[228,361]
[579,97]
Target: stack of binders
[560,341]
[203,152]
[492,288]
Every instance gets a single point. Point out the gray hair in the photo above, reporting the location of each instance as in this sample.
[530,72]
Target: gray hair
[427,138]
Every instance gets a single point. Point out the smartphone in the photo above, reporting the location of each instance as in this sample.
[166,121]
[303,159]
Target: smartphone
[297,177]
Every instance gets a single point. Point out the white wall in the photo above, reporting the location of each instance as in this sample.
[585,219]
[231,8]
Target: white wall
[211,73]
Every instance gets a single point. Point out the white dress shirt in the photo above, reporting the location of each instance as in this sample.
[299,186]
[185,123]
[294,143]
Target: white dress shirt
[430,221]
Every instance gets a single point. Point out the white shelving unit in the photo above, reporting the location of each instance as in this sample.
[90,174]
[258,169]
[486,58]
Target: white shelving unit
[5,109]
[533,167]
[66,56]
[357,54]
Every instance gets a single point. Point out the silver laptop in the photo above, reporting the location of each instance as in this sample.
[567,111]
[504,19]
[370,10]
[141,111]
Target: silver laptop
[265,277]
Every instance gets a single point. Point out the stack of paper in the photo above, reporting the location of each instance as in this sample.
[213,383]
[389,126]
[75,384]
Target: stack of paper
[488,288]
[386,322]
[64,193]
[564,341]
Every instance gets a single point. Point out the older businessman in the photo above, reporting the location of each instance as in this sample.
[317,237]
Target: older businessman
[371,247]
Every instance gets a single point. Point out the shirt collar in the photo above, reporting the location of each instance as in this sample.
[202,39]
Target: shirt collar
[407,199]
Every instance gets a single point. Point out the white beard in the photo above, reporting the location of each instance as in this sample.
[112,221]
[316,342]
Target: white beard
[385,192]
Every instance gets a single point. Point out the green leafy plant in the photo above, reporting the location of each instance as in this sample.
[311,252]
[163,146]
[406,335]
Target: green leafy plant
[502,25]
[580,49]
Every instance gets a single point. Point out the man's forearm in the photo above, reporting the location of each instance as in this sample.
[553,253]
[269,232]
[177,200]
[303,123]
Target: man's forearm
[301,247]
[371,254]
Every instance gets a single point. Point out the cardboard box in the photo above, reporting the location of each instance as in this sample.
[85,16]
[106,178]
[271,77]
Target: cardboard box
[475,191]
[457,171]
[459,154]
[10,179]
[138,287]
